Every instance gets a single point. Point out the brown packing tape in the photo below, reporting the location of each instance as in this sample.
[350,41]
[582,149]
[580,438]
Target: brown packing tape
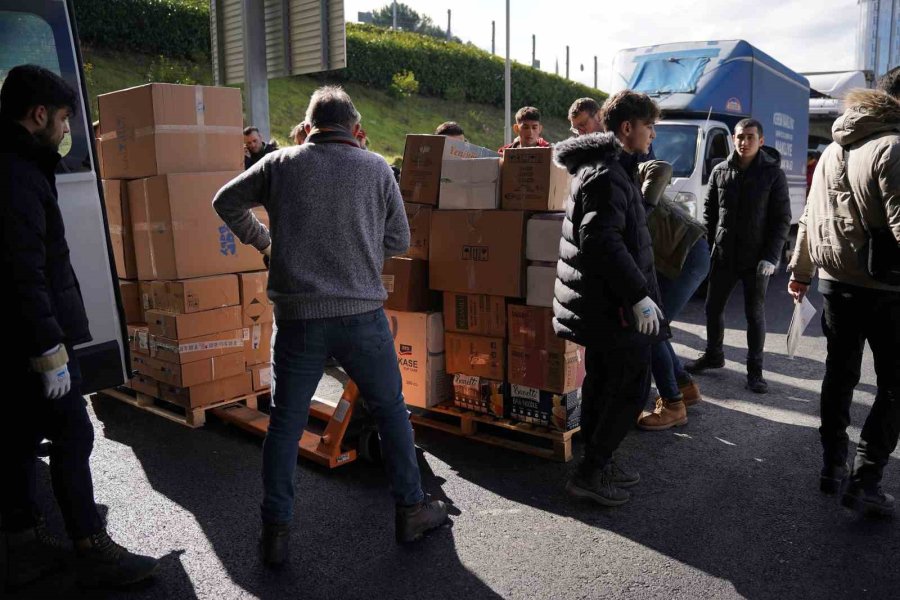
[146,195]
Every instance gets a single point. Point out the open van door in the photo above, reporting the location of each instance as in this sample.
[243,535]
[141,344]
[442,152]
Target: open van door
[43,32]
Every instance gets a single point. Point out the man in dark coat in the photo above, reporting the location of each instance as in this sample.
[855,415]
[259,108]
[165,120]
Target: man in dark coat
[254,146]
[606,295]
[748,216]
[48,320]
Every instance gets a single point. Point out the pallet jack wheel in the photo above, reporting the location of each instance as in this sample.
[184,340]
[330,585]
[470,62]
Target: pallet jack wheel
[369,445]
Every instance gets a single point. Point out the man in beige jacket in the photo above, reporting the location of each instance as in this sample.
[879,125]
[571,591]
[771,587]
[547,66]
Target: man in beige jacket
[855,189]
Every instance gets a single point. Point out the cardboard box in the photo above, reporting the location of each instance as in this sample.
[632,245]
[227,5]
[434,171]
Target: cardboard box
[192,373]
[476,355]
[476,314]
[145,385]
[255,304]
[423,157]
[532,327]
[557,411]
[541,281]
[419,342]
[542,236]
[118,219]
[181,327]
[559,372]
[261,375]
[195,295]
[130,293]
[164,128]
[478,252]
[146,293]
[419,218]
[139,338]
[208,393]
[258,343]
[198,348]
[406,282]
[531,181]
[177,234]
[480,395]
[470,184]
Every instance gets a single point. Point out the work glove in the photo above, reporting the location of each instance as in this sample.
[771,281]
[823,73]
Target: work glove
[765,268]
[647,316]
[53,368]
[267,255]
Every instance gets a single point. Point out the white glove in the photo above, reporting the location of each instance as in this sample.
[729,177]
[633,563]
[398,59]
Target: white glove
[268,251]
[647,316]
[765,268]
[57,382]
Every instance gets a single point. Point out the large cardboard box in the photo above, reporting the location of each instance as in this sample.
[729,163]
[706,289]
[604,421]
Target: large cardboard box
[164,128]
[480,395]
[258,343]
[255,304]
[195,295]
[541,281]
[198,348]
[558,411]
[423,157]
[559,372]
[478,252]
[419,342]
[419,218]
[470,184]
[185,326]
[208,393]
[118,218]
[192,373]
[476,314]
[145,385]
[130,293]
[261,375]
[531,181]
[406,282]
[139,338]
[542,236]
[177,234]
[476,355]
[146,294]
[532,327]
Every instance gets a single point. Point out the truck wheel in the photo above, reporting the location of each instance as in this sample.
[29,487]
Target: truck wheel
[369,448]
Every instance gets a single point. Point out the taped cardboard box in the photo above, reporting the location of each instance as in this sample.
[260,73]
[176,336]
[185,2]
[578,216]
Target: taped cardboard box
[548,409]
[559,372]
[164,128]
[195,295]
[146,294]
[258,343]
[145,385]
[476,314]
[542,236]
[541,282]
[478,252]
[198,348]
[531,181]
[406,282]
[185,326]
[480,395]
[532,327]
[130,293]
[118,219]
[255,304]
[192,373]
[423,157]
[419,218]
[476,355]
[261,375]
[139,338]
[470,184]
[212,392]
[177,234]
[419,343]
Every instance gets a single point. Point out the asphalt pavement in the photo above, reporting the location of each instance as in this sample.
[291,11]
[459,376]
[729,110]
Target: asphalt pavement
[728,505]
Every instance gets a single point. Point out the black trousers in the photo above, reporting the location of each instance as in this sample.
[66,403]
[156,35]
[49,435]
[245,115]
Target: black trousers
[850,317]
[722,281]
[29,419]
[613,394]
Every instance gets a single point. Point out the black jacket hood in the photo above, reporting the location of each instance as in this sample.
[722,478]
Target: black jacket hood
[591,149]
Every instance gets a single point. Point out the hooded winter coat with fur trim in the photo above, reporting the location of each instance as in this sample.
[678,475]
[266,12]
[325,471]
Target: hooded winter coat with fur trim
[605,254]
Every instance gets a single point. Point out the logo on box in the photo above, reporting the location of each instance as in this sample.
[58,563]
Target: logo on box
[475,253]
[405,350]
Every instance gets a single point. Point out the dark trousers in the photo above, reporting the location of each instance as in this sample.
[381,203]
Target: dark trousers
[614,391]
[722,281]
[28,419]
[851,317]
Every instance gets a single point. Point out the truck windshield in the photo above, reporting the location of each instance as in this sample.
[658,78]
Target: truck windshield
[677,145]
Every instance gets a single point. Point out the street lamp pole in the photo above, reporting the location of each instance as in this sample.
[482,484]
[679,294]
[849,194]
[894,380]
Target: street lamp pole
[507,133]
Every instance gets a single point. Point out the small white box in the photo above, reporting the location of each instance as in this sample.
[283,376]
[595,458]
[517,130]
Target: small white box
[542,236]
[541,281]
[472,183]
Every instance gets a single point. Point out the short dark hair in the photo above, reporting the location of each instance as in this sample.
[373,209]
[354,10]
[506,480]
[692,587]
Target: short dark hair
[890,83]
[589,105]
[449,128]
[747,124]
[331,106]
[251,130]
[528,113]
[628,105]
[27,86]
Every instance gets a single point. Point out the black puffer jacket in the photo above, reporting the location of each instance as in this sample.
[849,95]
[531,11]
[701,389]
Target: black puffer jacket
[606,255]
[748,213]
[42,296]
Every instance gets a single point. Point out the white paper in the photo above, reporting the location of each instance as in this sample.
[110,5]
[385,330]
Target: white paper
[803,315]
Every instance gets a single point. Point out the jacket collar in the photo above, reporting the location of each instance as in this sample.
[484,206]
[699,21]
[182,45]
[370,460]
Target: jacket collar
[331,135]
[765,158]
[17,140]
[592,149]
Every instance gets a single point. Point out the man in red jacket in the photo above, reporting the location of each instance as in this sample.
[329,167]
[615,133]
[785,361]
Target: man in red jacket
[528,128]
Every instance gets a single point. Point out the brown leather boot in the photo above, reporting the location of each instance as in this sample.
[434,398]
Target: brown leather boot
[690,392]
[668,413]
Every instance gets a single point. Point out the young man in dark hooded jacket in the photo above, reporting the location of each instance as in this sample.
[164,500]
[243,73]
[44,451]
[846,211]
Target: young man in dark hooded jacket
[606,295]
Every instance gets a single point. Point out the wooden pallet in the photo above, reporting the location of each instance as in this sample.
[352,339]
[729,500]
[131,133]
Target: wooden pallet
[505,433]
[190,417]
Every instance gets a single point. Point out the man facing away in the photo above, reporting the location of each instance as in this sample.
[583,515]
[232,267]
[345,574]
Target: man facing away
[336,214]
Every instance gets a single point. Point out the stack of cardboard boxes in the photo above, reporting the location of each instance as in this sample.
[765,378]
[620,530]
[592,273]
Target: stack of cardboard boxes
[197,315]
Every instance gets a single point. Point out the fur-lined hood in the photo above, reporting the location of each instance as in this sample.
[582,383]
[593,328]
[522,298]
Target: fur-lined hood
[591,149]
[868,112]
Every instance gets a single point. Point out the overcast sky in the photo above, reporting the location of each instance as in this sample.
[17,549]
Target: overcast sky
[805,35]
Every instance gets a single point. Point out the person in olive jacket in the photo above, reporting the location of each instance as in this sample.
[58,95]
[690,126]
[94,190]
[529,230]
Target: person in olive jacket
[748,216]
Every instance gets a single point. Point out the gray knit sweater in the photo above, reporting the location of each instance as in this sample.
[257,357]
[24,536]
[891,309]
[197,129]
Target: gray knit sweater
[336,213]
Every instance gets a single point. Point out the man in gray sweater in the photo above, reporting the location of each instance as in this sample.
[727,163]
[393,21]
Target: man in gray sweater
[336,213]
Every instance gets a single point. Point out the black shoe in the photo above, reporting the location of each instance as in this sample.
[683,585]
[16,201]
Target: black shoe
[832,478]
[705,362]
[412,522]
[107,564]
[619,477]
[598,487]
[274,543]
[869,501]
[32,554]
[756,384]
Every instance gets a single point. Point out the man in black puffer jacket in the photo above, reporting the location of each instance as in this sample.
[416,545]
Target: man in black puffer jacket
[748,216]
[606,293]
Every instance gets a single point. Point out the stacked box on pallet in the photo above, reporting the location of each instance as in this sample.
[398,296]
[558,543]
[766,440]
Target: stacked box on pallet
[258,319]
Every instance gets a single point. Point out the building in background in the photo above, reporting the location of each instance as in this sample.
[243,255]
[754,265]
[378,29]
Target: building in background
[878,38]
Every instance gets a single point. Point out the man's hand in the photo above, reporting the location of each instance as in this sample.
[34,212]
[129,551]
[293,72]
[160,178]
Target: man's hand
[765,268]
[57,381]
[797,290]
[246,152]
[647,316]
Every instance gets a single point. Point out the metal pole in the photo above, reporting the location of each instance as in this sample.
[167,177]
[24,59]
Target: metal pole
[507,132]
[448,24]
[256,77]
[493,37]
[533,48]
[595,73]
[567,62]
[394,26]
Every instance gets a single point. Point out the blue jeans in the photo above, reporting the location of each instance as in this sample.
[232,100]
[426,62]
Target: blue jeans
[364,346]
[675,293]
